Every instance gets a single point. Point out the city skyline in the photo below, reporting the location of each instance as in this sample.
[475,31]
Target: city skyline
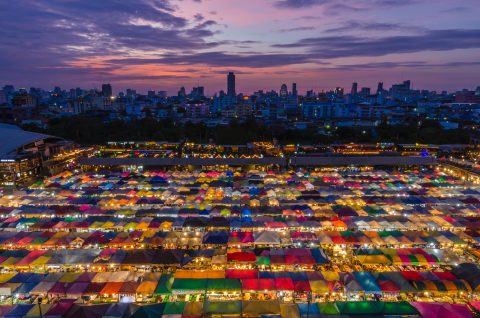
[163,45]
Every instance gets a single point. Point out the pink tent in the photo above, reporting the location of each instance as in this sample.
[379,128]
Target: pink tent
[442,310]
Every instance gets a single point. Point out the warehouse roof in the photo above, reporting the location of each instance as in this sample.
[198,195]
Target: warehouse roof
[12,137]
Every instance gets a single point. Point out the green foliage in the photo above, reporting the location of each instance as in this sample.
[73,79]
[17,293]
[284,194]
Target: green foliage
[92,130]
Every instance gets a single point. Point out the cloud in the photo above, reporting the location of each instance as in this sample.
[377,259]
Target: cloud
[296,4]
[305,28]
[458,9]
[223,59]
[54,32]
[355,25]
[354,46]
[198,17]
[410,64]
[346,4]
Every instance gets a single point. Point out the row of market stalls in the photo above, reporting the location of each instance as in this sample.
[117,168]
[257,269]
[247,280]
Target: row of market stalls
[238,284]
[332,190]
[293,259]
[193,219]
[67,309]
[42,239]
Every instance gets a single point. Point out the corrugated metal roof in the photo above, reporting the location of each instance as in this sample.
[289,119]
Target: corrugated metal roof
[12,138]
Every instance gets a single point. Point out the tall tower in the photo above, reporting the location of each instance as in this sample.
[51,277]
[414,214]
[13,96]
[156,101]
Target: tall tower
[380,88]
[231,84]
[354,89]
[294,89]
[283,91]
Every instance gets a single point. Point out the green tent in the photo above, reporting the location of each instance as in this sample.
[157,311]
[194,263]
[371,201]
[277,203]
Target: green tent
[359,307]
[399,307]
[186,285]
[263,260]
[375,308]
[216,284]
[175,308]
[164,285]
[328,308]
[223,307]
[149,311]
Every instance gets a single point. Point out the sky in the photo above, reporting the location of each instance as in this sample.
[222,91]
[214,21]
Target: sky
[166,44]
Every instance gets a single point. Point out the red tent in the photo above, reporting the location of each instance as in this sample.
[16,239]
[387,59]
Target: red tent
[258,284]
[445,276]
[284,284]
[388,286]
[241,257]
[302,286]
[241,274]
[412,275]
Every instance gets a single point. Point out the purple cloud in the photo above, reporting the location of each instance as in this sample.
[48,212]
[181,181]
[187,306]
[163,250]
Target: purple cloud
[354,46]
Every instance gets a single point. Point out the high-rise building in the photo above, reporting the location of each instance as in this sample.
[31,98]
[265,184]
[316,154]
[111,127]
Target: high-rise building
[107,90]
[283,91]
[380,88]
[231,84]
[294,89]
[197,92]
[365,91]
[354,89]
[131,92]
[182,92]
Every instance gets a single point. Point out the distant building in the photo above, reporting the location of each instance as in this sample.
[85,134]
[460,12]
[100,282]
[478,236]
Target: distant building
[24,100]
[91,102]
[197,92]
[365,92]
[283,91]
[467,96]
[182,92]
[107,90]
[231,84]
[197,109]
[401,91]
[354,89]
[294,89]
[380,88]
[23,153]
[244,109]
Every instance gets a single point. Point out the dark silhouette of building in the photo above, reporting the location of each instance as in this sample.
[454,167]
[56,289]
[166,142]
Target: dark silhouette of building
[107,90]
[354,89]
[380,88]
[231,84]
[294,89]
[283,91]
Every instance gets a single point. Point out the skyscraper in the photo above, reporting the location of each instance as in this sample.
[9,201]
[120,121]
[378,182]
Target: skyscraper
[354,89]
[294,89]
[231,84]
[106,90]
[380,88]
[283,91]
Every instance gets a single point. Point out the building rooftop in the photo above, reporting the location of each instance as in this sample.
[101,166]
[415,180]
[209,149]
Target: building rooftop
[13,137]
